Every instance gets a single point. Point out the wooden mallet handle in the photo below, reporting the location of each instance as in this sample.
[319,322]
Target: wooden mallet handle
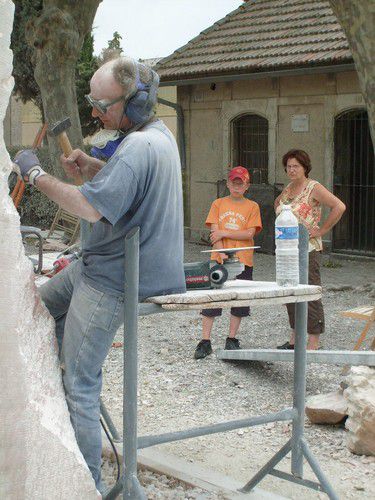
[59,130]
[64,143]
[66,148]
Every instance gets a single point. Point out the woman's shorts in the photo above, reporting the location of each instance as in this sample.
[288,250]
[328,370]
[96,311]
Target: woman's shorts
[239,312]
[315,313]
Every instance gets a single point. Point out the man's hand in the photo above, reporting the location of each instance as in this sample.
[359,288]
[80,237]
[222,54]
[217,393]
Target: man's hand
[216,235]
[79,164]
[28,166]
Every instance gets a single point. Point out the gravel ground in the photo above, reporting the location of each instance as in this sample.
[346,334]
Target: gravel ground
[160,487]
[177,392]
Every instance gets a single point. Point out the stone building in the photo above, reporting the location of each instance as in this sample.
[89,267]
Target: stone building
[270,76]
[22,122]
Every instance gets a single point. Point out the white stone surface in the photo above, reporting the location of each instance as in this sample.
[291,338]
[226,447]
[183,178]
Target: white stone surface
[39,456]
[236,290]
[360,395]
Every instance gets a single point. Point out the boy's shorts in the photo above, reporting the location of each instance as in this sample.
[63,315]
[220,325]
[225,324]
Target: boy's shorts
[239,312]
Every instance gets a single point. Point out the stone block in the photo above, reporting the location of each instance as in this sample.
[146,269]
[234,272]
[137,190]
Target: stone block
[360,395]
[39,455]
[330,408]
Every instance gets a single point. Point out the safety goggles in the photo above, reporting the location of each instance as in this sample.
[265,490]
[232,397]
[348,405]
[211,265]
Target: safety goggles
[102,105]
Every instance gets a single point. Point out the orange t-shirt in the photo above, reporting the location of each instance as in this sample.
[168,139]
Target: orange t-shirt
[235,216]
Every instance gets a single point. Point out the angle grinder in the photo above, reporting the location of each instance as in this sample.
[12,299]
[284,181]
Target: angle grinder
[207,275]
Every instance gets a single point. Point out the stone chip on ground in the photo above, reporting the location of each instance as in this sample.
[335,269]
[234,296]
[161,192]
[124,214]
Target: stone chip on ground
[330,408]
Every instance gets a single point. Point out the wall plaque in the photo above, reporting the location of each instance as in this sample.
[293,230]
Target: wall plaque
[300,123]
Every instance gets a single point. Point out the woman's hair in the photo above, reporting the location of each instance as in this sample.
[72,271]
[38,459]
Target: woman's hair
[301,156]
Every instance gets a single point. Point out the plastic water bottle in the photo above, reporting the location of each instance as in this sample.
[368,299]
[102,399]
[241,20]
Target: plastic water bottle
[286,238]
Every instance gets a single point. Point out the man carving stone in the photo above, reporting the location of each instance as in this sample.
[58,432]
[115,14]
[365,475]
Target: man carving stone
[140,185]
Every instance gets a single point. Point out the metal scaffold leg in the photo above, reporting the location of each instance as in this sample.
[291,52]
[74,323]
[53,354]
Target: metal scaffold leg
[297,444]
[266,469]
[131,487]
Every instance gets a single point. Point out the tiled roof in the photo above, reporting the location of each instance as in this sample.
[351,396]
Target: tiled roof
[262,35]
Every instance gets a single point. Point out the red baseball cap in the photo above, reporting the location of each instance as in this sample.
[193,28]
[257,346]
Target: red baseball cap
[239,173]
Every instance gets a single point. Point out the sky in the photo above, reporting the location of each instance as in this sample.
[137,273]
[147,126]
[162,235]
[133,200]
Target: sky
[156,28]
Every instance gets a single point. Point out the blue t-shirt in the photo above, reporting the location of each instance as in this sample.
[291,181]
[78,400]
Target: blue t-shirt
[139,186]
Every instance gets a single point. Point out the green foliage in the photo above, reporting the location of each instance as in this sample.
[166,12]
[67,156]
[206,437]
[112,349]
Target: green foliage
[332,264]
[112,50]
[115,43]
[25,85]
[86,66]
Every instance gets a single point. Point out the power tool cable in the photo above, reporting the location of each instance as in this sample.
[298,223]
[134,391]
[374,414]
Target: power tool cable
[113,448]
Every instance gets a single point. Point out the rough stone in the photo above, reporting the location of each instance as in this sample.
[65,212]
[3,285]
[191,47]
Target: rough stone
[360,395]
[328,408]
[39,456]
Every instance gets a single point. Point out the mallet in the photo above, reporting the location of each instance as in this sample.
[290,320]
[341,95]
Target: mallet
[59,130]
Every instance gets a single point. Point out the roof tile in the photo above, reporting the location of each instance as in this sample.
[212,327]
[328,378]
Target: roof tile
[261,35]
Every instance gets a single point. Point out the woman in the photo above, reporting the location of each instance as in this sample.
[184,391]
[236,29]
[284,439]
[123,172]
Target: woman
[306,198]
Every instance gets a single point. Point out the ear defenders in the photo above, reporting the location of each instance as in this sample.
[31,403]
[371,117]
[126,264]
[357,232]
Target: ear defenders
[139,107]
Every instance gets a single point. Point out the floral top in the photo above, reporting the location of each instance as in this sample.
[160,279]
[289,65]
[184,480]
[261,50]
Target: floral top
[308,211]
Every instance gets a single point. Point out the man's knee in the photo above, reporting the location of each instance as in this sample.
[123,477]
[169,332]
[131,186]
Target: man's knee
[57,292]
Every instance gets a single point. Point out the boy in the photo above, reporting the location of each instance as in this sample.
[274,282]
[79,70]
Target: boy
[233,221]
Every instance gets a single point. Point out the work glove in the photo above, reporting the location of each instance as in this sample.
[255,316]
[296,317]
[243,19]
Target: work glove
[27,166]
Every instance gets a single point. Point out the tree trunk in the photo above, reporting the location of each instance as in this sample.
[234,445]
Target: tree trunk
[56,37]
[357,18]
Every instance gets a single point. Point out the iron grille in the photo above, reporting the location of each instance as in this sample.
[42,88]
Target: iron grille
[250,146]
[354,184]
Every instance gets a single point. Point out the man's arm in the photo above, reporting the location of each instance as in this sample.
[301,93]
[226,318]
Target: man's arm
[79,163]
[67,197]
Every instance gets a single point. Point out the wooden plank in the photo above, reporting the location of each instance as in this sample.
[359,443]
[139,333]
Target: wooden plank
[197,476]
[355,358]
[363,312]
[191,474]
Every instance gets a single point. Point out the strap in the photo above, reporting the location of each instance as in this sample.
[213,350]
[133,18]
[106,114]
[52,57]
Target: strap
[310,187]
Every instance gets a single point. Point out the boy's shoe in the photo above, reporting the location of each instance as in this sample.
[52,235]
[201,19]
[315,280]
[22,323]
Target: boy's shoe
[286,346]
[203,349]
[232,344]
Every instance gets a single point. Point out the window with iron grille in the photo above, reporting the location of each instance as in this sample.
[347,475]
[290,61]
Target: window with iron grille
[250,146]
[354,183]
